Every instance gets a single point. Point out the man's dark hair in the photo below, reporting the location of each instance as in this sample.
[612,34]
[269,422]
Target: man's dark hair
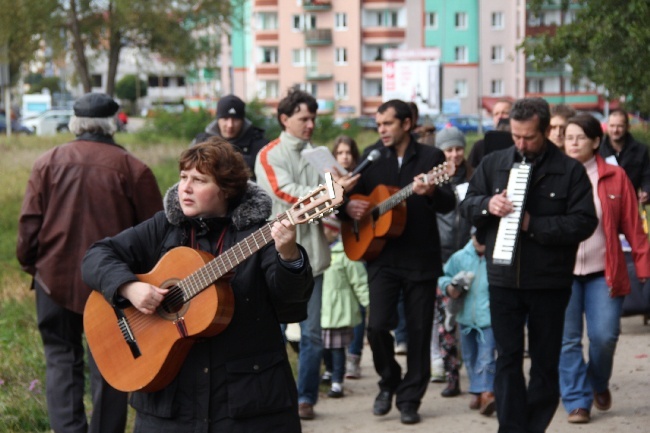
[620,112]
[527,108]
[290,104]
[402,110]
[563,110]
[415,114]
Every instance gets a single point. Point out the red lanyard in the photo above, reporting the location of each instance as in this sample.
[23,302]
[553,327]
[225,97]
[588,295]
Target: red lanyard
[218,247]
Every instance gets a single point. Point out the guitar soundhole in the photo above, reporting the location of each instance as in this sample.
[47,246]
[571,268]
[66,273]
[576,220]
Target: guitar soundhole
[173,302]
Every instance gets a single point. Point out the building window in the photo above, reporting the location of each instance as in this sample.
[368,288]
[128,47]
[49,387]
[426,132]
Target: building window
[536,20]
[341,21]
[303,22]
[497,54]
[342,91]
[384,19]
[310,88]
[497,20]
[341,56]
[461,20]
[431,20]
[267,21]
[496,87]
[298,57]
[269,55]
[460,88]
[535,85]
[460,54]
[267,89]
[371,88]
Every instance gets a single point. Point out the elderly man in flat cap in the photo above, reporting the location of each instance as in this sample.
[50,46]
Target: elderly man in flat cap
[79,193]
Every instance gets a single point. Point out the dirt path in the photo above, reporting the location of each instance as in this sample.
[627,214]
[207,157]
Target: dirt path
[630,411]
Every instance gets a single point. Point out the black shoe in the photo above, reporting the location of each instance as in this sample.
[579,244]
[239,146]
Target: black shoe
[450,391]
[383,403]
[409,415]
[334,394]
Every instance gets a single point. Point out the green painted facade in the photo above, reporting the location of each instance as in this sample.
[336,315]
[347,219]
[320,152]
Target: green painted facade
[241,41]
[446,36]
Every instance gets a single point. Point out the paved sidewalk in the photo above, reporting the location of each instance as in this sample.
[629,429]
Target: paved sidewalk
[630,411]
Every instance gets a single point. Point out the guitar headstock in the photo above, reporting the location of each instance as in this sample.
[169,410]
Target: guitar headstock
[317,203]
[438,174]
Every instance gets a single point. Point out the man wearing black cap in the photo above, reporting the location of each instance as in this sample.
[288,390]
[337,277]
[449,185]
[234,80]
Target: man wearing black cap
[79,193]
[232,125]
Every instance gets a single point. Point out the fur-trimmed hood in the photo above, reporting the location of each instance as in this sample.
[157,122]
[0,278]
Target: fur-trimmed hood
[254,208]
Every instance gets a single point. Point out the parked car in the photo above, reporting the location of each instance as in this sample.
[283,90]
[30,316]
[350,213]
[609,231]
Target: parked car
[366,122]
[49,122]
[16,126]
[465,122]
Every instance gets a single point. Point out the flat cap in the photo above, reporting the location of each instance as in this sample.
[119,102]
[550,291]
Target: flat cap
[95,105]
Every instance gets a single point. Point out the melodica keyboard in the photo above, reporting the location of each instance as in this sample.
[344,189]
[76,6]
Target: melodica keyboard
[509,226]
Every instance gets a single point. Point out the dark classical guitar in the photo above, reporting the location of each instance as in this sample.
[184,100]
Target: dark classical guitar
[140,352]
[364,239]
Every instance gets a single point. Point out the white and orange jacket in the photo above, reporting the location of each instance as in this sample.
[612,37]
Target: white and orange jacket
[283,173]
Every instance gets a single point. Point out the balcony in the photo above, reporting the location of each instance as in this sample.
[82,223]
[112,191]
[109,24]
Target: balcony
[578,100]
[266,3]
[370,104]
[267,37]
[267,69]
[318,37]
[383,35]
[533,31]
[555,71]
[372,69]
[318,72]
[317,5]
[382,4]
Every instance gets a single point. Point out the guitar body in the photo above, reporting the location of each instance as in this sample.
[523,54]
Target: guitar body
[164,338]
[372,234]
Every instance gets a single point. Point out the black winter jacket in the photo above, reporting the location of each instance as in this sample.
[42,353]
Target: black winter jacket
[249,142]
[453,227]
[239,380]
[633,158]
[418,248]
[562,214]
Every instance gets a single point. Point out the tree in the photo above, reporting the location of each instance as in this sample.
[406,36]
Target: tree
[607,43]
[22,24]
[128,88]
[174,29]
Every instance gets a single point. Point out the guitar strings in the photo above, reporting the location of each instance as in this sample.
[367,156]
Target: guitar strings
[179,298]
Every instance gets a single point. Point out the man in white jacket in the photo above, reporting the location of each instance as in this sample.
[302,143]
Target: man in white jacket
[286,176]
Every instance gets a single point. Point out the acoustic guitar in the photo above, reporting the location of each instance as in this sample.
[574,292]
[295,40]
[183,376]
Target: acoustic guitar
[141,352]
[363,239]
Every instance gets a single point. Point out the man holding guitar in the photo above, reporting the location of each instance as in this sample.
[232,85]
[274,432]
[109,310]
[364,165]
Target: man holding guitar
[408,263]
[224,365]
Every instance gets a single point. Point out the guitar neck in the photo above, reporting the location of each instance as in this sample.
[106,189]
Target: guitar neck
[199,280]
[393,200]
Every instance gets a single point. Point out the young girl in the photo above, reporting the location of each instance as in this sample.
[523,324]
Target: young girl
[477,340]
[345,286]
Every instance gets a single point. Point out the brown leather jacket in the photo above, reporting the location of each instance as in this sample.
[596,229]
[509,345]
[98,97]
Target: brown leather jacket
[79,193]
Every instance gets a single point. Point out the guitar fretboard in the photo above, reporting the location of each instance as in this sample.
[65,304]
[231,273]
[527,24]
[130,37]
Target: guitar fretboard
[194,283]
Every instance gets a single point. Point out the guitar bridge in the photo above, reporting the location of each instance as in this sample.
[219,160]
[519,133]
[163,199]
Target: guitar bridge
[127,333]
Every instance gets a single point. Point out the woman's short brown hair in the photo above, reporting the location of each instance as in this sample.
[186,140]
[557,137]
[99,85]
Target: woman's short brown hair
[217,158]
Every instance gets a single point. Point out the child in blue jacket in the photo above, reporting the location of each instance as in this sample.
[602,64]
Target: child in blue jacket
[465,282]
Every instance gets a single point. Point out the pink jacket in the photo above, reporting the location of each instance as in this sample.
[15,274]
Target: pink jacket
[621,215]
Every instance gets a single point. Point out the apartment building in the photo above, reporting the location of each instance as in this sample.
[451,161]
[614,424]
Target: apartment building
[336,50]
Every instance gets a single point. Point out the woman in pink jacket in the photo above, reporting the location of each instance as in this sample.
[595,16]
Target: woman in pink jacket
[600,275]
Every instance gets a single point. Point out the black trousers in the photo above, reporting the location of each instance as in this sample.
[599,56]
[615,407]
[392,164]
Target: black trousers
[419,302]
[61,331]
[521,408]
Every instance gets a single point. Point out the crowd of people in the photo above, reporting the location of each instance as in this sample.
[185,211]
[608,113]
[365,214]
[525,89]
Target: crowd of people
[431,289]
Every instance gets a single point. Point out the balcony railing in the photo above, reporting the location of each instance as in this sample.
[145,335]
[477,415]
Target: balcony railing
[318,37]
[555,71]
[317,5]
[318,72]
